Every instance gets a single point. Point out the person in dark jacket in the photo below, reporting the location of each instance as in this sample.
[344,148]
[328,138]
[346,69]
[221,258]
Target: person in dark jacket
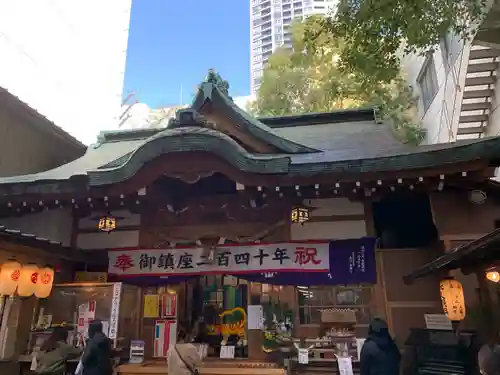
[379,355]
[97,356]
[55,353]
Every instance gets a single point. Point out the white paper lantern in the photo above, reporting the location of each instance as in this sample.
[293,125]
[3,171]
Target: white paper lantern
[9,277]
[452,298]
[45,282]
[28,280]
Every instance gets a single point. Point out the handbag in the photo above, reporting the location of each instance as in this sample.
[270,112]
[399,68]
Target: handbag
[193,371]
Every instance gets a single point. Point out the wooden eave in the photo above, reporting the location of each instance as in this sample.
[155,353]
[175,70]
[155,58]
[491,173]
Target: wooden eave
[478,254]
[47,247]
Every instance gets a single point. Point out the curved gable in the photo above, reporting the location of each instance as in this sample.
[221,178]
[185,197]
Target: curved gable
[213,101]
[189,139]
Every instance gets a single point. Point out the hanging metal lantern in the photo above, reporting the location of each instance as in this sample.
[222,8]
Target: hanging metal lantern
[300,215]
[452,298]
[493,276]
[107,223]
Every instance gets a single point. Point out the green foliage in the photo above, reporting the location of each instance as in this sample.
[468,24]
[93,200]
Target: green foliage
[375,33]
[309,78]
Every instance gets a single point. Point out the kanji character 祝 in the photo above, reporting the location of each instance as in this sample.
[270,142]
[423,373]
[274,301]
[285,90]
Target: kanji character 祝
[305,255]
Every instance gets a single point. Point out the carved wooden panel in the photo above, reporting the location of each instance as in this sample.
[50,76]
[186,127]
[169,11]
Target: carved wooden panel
[215,210]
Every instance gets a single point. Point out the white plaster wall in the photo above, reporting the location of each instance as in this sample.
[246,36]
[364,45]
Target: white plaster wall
[55,225]
[331,230]
[441,118]
[494,120]
[113,240]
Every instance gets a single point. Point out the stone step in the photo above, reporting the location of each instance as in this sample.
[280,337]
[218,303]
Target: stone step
[471,94]
[480,81]
[471,130]
[473,118]
[475,106]
[483,53]
[482,67]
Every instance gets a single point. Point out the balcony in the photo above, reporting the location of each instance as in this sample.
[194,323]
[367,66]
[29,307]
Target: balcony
[488,34]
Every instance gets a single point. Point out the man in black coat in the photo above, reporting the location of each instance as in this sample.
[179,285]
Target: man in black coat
[96,359]
[379,355]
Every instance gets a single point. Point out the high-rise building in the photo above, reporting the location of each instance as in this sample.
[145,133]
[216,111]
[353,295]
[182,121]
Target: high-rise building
[270,22]
[66,59]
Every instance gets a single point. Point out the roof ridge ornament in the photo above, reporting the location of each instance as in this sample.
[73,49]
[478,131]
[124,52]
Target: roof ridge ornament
[216,79]
[187,117]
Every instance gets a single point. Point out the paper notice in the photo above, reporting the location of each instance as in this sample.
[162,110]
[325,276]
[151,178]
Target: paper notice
[304,356]
[151,306]
[345,365]
[255,317]
[227,352]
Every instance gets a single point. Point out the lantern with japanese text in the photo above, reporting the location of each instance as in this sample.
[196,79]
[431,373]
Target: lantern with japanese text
[28,280]
[45,282]
[107,223]
[300,215]
[9,277]
[452,298]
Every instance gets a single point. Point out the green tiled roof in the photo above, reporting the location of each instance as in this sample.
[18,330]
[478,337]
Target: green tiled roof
[339,142]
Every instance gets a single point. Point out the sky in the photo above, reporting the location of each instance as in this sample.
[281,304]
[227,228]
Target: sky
[172,44]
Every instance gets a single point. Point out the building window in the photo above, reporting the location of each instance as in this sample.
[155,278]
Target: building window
[451,46]
[427,82]
[314,299]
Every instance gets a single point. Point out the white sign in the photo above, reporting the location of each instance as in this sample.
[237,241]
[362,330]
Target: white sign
[345,365]
[304,356]
[255,316]
[227,352]
[281,256]
[86,314]
[115,310]
[437,321]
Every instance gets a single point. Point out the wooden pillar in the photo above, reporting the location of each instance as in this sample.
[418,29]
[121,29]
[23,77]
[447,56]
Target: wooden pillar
[255,336]
[491,326]
[379,299]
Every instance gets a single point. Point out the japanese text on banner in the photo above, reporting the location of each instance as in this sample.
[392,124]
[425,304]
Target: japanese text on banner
[289,257]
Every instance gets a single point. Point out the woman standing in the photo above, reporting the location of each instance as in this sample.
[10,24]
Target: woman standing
[55,353]
[183,357]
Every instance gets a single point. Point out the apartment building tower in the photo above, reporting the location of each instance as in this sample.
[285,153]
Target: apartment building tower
[270,22]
